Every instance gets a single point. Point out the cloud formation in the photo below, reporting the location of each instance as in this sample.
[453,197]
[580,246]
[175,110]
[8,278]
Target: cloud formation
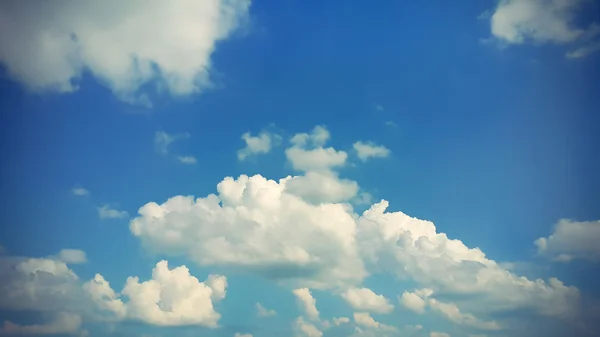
[106,212]
[544,21]
[571,240]
[255,145]
[364,299]
[367,150]
[172,297]
[125,46]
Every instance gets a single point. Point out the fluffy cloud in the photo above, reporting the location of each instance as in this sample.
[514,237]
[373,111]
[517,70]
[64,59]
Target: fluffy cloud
[308,154]
[63,323]
[542,21]
[411,248]
[264,312]
[306,329]
[572,240]
[255,226]
[162,140]
[48,46]
[106,212]
[39,285]
[415,301]
[364,151]
[365,299]
[260,144]
[172,297]
[322,187]
[307,303]
[264,227]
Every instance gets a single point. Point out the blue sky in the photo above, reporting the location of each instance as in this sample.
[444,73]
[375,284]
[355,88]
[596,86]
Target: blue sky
[118,123]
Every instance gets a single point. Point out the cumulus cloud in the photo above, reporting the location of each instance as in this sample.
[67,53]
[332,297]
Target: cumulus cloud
[79,191]
[162,140]
[364,319]
[571,240]
[365,299]
[125,46]
[264,227]
[172,297]
[307,303]
[415,301]
[253,225]
[364,151]
[308,154]
[106,212]
[39,284]
[321,187]
[264,312]
[189,160]
[419,299]
[260,144]
[306,329]
[543,21]
[63,323]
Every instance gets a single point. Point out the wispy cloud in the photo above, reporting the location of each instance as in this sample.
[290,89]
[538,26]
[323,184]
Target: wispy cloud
[106,212]
[189,160]
[79,191]
[162,140]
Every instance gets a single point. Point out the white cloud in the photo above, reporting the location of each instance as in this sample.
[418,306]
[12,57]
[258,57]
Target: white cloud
[438,334]
[172,297]
[453,313]
[364,319]
[106,212]
[541,21]
[125,46]
[63,323]
[364,151]
[365,299]
[72,256]
[306,329]
[237,334]
[264,312]
[162,140]
[79,191]
[320,187]
[415,301]
[262,227]
[260,144]
[572,240]
[307,303]
[411,248]
[308,154]
[187,160]
[341,320]
[253,225]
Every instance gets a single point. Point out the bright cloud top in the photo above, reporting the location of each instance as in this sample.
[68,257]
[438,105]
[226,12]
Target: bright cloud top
[172,297]
[365,299]
[48,46]
[260,144]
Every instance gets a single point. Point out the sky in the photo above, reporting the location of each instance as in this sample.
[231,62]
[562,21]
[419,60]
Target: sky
[236,168]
